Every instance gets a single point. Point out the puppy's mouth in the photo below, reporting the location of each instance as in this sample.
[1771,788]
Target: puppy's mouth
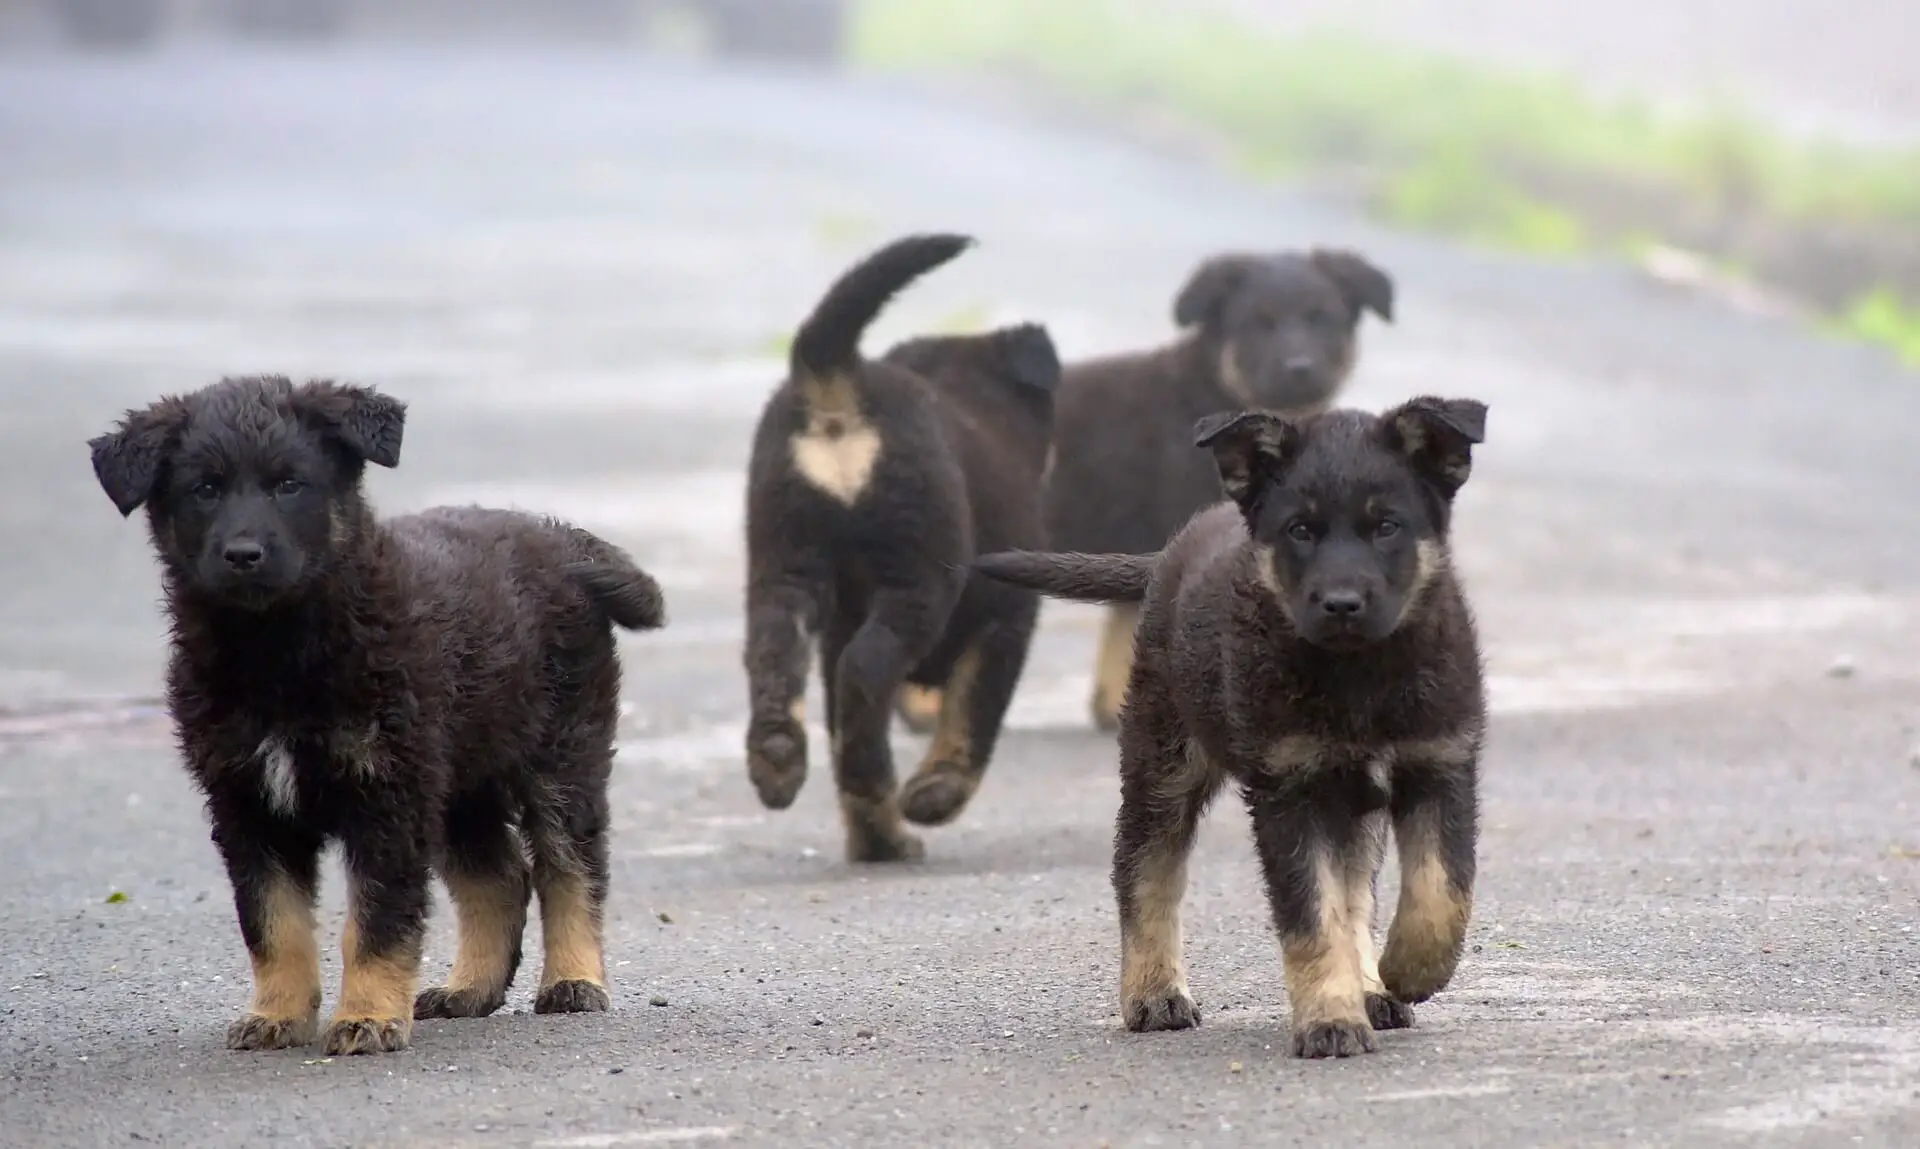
[1343,637]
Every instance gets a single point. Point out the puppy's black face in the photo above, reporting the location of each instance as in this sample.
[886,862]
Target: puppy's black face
[1349,511]
[251,485]
[1284,326]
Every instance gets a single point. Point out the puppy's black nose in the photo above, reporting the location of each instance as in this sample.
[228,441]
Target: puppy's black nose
[1343,603]
[243,556]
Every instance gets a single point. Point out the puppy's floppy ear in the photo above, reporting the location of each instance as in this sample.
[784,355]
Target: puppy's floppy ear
[1360,283]
[1030,358]
[1209,287]
[127,459]
[364,421]
[1437,436]
[1247,446]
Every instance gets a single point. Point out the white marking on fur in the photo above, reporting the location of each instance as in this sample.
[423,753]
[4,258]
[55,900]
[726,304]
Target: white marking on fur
[276,775]
[837,451]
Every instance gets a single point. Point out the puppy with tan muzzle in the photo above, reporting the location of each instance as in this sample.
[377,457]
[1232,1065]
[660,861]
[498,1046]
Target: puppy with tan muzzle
[435,692]
[1308,642]
[1270,331]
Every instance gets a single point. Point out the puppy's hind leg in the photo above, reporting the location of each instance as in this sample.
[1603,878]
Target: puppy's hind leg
[973,708]
[899,629]
[486,872]
[1165,787]
[1114,666]
[567,830]
[781,620]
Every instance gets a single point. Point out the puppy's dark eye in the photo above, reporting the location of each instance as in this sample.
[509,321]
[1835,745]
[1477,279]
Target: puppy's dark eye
[1386,529]
[205,490]
[289,486]
[1300,533]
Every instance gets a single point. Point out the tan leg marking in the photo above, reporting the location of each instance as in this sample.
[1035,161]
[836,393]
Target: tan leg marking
[286,975]
[375,1011]
[1115,664]
[1152,943]
[1323,968]
[492,918]
[572,933]
[1359,877]
[947,777]
[1429,925]
[918,707]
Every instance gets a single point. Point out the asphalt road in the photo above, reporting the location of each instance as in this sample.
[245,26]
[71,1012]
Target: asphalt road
[1696,922]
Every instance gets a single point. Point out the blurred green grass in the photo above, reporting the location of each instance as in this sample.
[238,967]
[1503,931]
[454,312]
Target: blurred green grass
[1499,157]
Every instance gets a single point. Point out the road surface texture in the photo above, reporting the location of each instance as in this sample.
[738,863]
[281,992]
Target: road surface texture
[1690,538]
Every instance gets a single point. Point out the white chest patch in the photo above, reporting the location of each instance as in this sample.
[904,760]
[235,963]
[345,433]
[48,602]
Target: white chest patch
[276,775]
[836,458]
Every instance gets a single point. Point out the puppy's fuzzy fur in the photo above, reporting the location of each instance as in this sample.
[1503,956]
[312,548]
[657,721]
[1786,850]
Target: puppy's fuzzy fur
[1276,332]
[872,485]
[1308,642]
[436,691]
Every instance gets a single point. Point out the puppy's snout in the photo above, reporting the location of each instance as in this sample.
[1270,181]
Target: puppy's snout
[1342,604]
[1299,366]
[243,555]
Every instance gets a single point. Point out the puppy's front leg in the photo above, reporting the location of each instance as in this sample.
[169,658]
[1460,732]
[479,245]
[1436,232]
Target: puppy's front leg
[387,901]
[1302,847]
[1436,822]
[274,870]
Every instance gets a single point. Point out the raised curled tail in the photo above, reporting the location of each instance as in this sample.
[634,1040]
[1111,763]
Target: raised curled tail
[626,594]
[829,340]
[1082,578]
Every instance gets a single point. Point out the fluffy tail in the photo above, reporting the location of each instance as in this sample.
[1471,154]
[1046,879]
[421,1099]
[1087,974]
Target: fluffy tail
[626,594]
[1082,578]
[829,340]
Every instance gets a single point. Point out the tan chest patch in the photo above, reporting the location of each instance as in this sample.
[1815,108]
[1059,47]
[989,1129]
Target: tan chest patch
[836,454]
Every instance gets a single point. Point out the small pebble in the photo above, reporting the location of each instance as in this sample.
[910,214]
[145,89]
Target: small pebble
[864,1033]
[1235,1067]
[656,999]
[818,1020]
[618,1069]
[1842,667]
[665,917]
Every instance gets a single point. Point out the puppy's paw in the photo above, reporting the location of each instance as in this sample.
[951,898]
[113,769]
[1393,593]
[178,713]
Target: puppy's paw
[866,844]
[1162,1009]
[1333,1039]
[258,1031]
[777,762]
[1386,1012]
[350,1035]
[918,707]
[937,793]
[573,997]
[443,1002]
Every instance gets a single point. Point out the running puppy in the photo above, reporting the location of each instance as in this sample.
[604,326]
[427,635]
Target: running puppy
[437,691]
[1309,642]
[1274,332]
[872,485]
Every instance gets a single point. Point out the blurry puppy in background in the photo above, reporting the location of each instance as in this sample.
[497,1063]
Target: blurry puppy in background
[1272,332]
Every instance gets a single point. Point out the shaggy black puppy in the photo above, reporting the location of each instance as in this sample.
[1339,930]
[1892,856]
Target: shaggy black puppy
[437,691]
[873,483]
[1308,642]
[1273,332]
